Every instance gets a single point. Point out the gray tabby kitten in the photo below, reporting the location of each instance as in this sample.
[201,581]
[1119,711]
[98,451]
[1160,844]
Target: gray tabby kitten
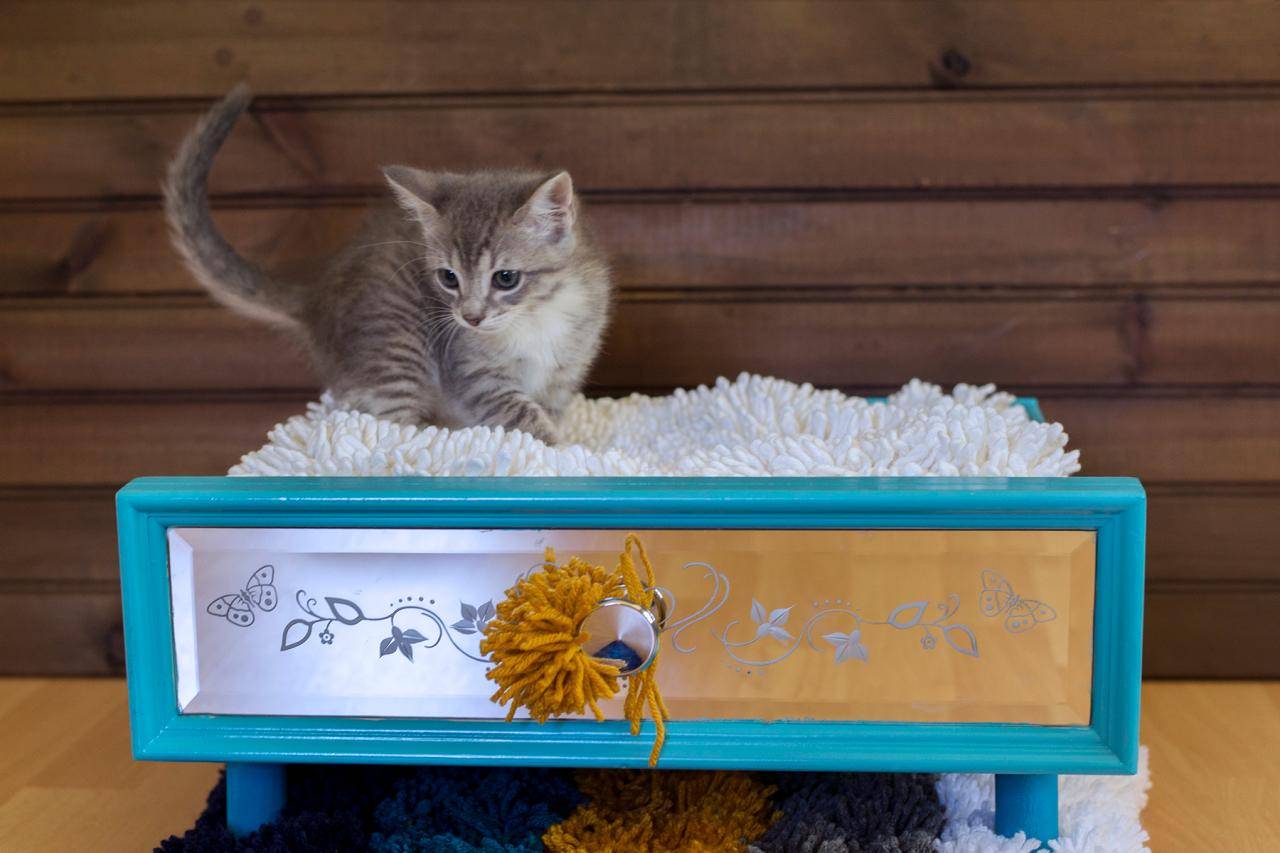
[476,299]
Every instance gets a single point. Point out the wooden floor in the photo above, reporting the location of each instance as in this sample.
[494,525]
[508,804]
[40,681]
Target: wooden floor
[67,782]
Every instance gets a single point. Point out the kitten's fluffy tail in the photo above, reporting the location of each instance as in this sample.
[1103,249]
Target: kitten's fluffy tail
[232,280]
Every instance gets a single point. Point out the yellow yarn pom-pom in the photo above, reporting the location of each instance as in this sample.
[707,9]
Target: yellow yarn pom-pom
[664,812]
[537,644]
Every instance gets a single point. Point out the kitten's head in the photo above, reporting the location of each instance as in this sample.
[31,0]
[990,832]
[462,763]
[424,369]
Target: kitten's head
[494,243]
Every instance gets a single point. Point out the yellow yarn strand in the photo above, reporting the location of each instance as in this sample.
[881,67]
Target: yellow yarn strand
[538,648]
[642,688]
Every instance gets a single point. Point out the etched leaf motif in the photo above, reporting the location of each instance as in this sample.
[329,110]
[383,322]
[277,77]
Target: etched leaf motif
[469,612]
[777,619]
[413,636]
[778,633]
[406,650]
[389,645]
[847,645]
[345,611]
[961,639]
[772,624]
[907,615]
[487,611]
[295,634]
[462,626]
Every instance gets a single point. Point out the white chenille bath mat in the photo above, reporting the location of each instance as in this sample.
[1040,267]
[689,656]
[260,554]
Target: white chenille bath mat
[1096,814]
[752,426]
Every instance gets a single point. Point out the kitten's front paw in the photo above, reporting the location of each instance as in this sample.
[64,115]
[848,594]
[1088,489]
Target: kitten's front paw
[544,429]
[534,420]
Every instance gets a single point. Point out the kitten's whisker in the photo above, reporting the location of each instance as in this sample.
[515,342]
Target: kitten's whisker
[392,243]
[438,322]
[436,316]
[396,274]
[450,337]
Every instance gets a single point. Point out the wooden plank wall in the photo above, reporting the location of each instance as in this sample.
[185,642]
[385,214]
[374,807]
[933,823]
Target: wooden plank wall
[1077,201]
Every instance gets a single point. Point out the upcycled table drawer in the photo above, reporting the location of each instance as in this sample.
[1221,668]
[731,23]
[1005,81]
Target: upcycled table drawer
[985,625]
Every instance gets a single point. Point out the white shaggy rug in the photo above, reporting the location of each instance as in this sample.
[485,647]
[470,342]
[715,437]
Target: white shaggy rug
[753,426]
[1096,814]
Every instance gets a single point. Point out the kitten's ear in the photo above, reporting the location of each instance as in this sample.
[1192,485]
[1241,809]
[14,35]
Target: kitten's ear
[412,188]
[549,212]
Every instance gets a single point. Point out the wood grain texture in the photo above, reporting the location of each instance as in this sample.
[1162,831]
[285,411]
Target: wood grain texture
[663,339]
[1210,781]
[1178,439]
[729,242]
[821,141]
[1213,532]
[109,443]
[58,536]
[79,49]
[63,632]
[1079,205]
[1207,629]
[66,752]
[65,537]
[64,744]
[109,440]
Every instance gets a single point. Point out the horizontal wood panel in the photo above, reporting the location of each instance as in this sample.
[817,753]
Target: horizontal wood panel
[58,535]
[61,633]
[144,344]
[81,49]
[1173,439]
[814,142]
[1197,632]
[1213,532]
[728,243]
[108,441]
[660,339]
[1206,632]
[1219,532]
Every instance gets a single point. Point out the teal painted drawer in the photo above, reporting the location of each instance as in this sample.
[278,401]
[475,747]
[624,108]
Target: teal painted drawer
[987,625]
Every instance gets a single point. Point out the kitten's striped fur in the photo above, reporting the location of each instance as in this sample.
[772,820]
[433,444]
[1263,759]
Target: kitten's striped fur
[388,332]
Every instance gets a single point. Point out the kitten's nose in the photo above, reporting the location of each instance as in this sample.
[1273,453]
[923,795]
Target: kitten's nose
[473,319]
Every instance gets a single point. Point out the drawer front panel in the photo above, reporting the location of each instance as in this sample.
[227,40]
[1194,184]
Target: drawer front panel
[921,626]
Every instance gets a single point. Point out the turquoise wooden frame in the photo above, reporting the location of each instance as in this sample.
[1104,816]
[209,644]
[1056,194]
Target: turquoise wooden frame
[1115,508]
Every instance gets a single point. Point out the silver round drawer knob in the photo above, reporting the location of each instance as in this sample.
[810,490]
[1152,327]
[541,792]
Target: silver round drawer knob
[620,629]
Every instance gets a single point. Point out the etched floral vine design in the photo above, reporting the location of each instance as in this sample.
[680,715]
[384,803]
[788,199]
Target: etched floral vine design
[848,644]
[845,642]
[344,611]
[836,628]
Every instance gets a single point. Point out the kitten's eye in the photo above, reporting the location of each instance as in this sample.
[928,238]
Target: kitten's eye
[506,279]
[448,278]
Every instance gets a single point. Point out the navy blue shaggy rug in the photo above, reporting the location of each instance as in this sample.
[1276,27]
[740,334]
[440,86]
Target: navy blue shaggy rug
[464,810]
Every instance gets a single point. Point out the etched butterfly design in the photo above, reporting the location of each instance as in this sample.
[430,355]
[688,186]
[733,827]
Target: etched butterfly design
[1021,614]
[259,592]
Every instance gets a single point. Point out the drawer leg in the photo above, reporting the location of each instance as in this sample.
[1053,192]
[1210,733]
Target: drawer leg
[255,795]
[1027,803]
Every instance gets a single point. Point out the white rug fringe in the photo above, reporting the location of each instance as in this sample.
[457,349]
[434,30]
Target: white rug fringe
[753,426]
[1096,814]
